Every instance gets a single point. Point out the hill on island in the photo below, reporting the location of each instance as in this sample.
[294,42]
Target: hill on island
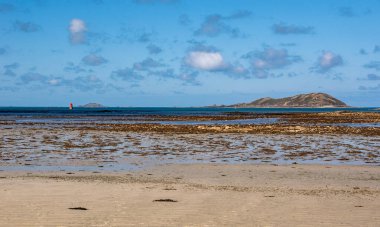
[303,100]
[92,105]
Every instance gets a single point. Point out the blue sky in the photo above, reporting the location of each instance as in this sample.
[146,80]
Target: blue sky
[187,52]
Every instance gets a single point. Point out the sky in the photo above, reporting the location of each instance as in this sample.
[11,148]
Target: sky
[179,53]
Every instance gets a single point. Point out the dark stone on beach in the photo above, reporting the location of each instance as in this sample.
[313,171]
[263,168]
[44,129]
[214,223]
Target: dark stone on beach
[78,208]
[165,200]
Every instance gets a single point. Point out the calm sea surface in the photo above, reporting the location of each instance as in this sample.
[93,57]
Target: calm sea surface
[160,111]
[62,115]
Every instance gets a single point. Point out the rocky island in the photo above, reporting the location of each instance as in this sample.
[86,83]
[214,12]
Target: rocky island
[92,105]
[316,100]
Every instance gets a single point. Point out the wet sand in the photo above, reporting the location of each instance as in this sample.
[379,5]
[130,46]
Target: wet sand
[57,149]
[120,146]
[195,195]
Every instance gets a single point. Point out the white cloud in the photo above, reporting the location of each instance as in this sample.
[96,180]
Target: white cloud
[269,61]
[77,25]
[260,64]
[54,82]
[208,61]
[327,61]
[77,31]
[93,60]
[272,58]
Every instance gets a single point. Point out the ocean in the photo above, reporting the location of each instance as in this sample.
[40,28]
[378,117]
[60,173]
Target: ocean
[159,111]
[141,115]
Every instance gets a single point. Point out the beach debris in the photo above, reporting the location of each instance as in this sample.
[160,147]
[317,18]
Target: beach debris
[170,189]
[165,200]
[78,208]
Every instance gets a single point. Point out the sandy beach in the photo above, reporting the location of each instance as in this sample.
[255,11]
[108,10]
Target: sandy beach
[195,195]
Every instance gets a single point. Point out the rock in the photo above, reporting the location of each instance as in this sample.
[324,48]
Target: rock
[92,105]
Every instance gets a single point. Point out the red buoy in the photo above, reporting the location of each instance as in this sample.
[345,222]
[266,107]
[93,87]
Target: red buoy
[71,106]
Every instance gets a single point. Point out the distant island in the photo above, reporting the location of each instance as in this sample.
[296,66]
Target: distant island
[316,100]
[92,105]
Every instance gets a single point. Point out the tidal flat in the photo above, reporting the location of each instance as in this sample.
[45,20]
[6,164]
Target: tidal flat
[119,143]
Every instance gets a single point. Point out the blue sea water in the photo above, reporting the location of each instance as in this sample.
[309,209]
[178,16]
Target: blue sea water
[143,115]
[159,111]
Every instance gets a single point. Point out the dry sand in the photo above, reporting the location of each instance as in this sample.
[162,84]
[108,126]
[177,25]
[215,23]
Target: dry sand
[205,195]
